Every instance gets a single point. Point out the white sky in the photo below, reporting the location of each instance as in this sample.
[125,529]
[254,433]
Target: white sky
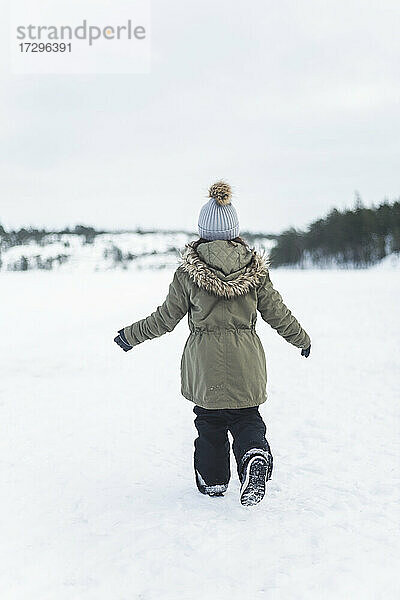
[295,103]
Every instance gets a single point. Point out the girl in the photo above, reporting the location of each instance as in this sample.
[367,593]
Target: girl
[221,283]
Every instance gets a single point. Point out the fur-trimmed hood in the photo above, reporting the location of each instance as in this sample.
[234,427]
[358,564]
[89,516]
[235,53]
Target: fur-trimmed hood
[224,268]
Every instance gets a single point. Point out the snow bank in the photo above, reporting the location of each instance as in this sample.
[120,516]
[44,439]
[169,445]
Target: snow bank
[390,262]
[69,252]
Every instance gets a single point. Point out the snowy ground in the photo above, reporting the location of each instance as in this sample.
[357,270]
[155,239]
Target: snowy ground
[98,498]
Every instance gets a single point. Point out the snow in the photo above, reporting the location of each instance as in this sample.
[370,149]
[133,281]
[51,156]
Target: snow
[105,251]
[98,493]
[126,250]
[391,261]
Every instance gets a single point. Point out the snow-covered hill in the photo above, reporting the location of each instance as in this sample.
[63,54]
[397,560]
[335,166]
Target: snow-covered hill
[102,252]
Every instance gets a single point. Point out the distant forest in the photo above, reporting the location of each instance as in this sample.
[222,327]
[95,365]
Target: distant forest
[354,238]
[358,238]
[28,235]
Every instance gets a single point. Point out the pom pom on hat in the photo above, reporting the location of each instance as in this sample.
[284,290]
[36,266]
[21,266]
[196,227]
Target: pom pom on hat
[221,192]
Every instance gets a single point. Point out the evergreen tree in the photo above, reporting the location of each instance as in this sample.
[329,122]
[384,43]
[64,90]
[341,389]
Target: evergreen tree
[358,237]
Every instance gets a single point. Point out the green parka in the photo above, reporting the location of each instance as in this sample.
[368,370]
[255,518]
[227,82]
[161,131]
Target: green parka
[221,285]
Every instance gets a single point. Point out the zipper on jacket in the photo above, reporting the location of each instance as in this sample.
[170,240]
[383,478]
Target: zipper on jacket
[224,333]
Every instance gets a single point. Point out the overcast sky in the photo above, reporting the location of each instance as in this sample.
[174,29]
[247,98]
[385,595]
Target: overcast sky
[295,103]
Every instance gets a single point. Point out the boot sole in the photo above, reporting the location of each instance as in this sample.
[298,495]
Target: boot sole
[254,485]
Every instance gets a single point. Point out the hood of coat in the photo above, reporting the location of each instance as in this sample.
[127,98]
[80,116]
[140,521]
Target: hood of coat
[227,257]
[224,268]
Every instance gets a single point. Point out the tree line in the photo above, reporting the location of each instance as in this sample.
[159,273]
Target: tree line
[358,237]
[27,235]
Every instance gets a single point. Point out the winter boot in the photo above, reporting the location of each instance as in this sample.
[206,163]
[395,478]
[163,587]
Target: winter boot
[256,471]
[209,490]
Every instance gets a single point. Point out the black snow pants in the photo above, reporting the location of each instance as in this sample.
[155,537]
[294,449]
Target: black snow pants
[212,448]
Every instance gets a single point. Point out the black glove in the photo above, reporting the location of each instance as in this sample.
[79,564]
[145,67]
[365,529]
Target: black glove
[122,341]
[306,351]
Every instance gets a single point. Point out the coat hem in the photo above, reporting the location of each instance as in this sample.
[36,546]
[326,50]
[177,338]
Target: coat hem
[222,405]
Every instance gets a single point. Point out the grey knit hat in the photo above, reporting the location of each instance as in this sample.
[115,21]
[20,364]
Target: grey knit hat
[218,219]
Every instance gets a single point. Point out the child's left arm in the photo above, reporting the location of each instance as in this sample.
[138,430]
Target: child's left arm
[276,313]
[164,319]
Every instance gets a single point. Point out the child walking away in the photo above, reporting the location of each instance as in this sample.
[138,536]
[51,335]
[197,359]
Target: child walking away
[221,284]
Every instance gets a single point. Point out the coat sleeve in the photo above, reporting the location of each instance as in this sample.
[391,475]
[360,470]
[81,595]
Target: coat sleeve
[276,313]
[165,318]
